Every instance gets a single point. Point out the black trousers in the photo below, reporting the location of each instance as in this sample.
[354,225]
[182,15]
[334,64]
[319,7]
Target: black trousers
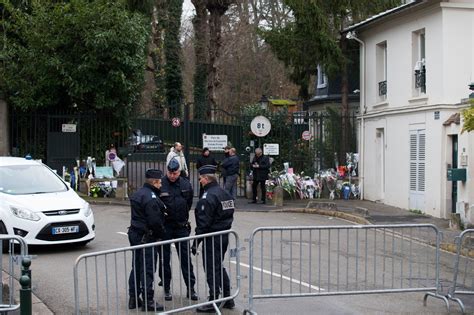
[262,188]
[214,249]
[182,248]
[141,276]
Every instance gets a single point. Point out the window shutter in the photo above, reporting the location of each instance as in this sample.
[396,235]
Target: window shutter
[417,160]
[421,161]
[413,160]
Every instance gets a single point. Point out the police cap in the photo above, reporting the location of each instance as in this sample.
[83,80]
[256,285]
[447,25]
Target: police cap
[207,169]
[154,174]
[173,165]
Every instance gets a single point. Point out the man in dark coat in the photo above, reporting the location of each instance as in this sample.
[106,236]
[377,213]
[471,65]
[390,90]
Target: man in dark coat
[146,226]
[177,194]
[214,212]
[230,171]
[260,169]
[205,159]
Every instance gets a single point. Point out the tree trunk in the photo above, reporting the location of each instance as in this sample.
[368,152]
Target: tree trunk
[217,9]
[201,106]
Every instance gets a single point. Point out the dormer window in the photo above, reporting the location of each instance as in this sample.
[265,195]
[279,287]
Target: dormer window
[322,78]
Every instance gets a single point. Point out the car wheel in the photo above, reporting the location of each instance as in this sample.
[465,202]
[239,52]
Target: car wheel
[5,243]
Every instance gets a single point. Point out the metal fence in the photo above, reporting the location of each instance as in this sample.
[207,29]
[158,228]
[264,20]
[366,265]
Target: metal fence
[343,260]
[463,280]
[63,138]
[12,269]
[101,279]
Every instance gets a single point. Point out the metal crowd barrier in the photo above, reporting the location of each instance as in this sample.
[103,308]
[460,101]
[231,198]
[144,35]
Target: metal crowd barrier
[101,278]
[313,261]
[463,280]
[9,262]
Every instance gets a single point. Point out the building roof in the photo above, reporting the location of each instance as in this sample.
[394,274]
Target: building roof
[454,118]
[383,15]
[280,102]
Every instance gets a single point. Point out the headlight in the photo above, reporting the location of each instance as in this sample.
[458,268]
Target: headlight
[26,214]
[87,210]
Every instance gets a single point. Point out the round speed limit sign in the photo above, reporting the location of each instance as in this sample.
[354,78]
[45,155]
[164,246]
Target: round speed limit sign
[260,126]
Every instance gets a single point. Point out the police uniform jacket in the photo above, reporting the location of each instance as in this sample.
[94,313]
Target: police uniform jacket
[214,211]
[148,211]
[178,198]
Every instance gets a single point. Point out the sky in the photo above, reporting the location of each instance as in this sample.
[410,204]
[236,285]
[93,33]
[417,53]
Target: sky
[188,9]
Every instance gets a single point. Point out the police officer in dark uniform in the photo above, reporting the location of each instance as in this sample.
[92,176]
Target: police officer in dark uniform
[214,212]
[177,194]
[146,226]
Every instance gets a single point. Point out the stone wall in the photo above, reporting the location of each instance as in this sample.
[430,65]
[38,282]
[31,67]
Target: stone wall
[4,138]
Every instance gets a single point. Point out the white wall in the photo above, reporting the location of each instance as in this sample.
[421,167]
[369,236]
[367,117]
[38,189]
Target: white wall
[449,35]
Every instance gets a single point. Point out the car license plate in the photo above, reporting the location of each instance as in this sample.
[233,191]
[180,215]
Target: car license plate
[65,229]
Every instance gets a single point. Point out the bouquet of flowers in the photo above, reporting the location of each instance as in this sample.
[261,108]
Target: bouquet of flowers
[94,191]
[329,178]
[270,185]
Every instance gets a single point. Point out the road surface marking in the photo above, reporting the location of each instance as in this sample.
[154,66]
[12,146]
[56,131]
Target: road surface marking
[281,276]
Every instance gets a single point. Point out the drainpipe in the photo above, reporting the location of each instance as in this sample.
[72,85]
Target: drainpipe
[352,35]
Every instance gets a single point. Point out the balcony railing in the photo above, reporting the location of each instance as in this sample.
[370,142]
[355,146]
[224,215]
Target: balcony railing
[383,88]
[420,79]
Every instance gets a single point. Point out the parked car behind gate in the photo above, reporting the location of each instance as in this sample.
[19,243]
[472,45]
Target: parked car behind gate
[138,142]
[36,204]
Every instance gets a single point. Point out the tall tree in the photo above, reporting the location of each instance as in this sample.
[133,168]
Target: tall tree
[172,47]
[201,105]
[81,54]
[216,8]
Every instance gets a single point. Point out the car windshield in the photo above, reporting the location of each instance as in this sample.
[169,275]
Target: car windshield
[29,179]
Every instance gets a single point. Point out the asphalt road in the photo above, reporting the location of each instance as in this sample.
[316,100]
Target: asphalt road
[52,271]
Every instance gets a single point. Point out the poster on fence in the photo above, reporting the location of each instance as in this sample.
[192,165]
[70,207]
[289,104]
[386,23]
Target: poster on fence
[214,142]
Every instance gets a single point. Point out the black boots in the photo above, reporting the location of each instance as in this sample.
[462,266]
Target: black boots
[152,306]
[209,308]
[230,304]
[193,296]
[133,302]
[168,296]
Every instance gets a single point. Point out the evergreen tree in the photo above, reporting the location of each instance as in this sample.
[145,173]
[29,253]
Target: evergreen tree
[172,47]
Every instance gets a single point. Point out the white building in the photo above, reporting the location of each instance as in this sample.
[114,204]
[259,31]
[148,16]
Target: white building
[410,131]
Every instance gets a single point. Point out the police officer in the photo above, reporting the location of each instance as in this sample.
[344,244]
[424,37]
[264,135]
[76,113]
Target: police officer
[177,194]
[146,226]
[214,212]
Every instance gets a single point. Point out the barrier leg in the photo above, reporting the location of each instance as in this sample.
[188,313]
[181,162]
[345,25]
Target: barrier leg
[437,296]
[25,291]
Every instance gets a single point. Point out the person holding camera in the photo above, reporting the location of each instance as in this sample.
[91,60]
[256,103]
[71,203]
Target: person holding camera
[146,226]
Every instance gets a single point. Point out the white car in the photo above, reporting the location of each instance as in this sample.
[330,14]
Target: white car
[36,204]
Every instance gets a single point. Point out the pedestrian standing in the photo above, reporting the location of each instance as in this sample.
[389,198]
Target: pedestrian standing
[176,152]
[205,159]
[214,212]
[146,226]
[177,194]
[260,169]
[230,170]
